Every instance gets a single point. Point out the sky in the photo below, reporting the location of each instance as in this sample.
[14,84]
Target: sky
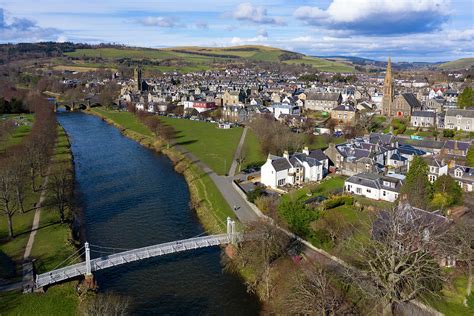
[406,30]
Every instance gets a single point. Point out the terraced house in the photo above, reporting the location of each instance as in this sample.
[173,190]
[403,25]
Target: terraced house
[459,120]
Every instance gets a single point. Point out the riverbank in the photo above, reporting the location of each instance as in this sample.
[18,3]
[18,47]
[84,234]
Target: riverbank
[209,204]
[53,243]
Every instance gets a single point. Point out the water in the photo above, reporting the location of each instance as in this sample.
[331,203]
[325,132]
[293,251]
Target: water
[132,197]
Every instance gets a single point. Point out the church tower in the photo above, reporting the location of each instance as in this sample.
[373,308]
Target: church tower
[137,76]
[388,91]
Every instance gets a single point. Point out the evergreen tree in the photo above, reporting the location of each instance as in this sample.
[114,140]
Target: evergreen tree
[470,156]
[417,188]
[466,98]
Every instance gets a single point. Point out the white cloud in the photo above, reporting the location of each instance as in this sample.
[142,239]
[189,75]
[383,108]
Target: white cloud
[262,32]
[378,16]
[256,14]
[159,21]
[259,39]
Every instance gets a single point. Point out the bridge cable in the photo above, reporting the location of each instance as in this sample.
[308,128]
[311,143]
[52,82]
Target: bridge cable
[73,256]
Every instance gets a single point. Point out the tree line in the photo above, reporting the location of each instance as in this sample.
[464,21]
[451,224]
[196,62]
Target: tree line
[23,166]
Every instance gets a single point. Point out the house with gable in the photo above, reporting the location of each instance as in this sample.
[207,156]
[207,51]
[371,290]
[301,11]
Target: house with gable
[294,169]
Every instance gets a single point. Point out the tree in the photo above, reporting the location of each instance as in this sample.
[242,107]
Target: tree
[335,224]
[417,188]
[445,189]
[313,294]
[470,156]
[105,304]
[19,172]
[8,206]
[466,98]
[399,261]
[459,242]
[60,183]
[167,133]
[265,244]
[242,157]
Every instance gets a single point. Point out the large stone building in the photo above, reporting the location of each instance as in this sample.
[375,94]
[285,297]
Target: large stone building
[459,119]
[322,101]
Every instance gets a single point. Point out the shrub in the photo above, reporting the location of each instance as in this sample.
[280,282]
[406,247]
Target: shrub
[448,133]
[256,193]
[338,201]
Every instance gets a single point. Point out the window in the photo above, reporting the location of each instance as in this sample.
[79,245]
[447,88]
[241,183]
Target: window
[281,182]
[384,193]
[359,191]
[369,191]
[458,173]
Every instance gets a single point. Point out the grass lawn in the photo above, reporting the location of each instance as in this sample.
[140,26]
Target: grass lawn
[322,64]
[20,132]
[255,156]
[213,146]
[451,301]
[58,300]
[328,186]
[125,119]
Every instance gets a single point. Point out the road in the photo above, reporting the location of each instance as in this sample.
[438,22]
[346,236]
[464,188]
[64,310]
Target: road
[242,210]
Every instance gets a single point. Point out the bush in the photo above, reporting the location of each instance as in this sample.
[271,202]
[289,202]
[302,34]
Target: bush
[448,133]
[338,201]
[256,193]
[297,216]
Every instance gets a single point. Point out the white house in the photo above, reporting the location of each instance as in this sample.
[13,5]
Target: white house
[295,169]
[374,186]
[282,108]
[436,168]
[464,176]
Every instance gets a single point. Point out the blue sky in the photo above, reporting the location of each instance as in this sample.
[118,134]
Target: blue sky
[407,30]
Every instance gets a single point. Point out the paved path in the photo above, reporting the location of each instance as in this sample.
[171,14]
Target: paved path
[243,211]
[234,165]
[36,220]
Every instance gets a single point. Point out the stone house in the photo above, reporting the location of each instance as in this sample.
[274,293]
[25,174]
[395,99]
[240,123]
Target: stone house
[322,101]
[459,119]
[404,104]
[423,119]
[344,114]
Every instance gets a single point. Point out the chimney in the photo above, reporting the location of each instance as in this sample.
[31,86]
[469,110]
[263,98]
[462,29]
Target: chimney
[306,151]
[286,155]
[456,145]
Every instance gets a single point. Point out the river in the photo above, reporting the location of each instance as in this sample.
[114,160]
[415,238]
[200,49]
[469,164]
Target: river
[132,197]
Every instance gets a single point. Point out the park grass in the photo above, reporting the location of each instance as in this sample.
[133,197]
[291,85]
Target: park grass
[20,132]
[59,300]
[125,119]
[213,146]
[53,239]
[255,157]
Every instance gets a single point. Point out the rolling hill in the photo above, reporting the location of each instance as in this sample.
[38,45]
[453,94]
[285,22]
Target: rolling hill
[188,59]
[458,64]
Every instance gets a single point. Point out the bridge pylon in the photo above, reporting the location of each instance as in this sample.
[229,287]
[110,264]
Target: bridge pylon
[88,277]
[231,233]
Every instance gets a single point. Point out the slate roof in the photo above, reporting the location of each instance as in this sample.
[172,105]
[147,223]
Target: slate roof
[322,96]
[281,164]
[463,113]
[347,108]
[370,180]
[318,154]
[451,144]
[411,100]
[424,114]
[410,150]
[398,157]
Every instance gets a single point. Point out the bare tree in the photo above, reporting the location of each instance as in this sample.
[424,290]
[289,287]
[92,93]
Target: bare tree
[313,294]
[19,173]
[60,184]
[242,157]
[266,243]
[167,133]
[105,304]
[7,195]
[399,260]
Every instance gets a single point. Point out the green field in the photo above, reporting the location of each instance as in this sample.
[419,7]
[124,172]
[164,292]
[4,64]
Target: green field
[457,64]
[126,120]
[189,59]
[213,146]
[21,131]
[322,64]
[255,157]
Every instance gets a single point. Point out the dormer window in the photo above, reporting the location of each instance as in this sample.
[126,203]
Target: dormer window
[458,173]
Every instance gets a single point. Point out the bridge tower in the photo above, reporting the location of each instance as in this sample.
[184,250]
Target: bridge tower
[231,231]
[88,277]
